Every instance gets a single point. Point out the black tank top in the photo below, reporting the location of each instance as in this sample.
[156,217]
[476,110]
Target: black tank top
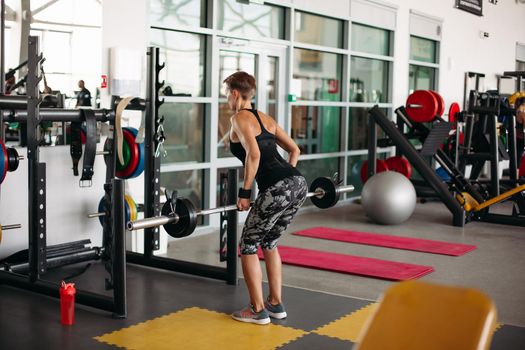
[272,167]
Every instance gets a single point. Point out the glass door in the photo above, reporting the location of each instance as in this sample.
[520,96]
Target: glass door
[267,65]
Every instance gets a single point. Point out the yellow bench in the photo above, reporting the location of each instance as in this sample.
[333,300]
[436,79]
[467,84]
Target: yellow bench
[470,204]
[418,315]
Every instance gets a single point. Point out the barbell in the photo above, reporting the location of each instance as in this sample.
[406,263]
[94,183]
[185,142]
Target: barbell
[180,220]
[8,227]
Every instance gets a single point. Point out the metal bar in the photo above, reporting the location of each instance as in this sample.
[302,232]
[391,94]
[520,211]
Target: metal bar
[494,150]
[501,219]
[62,260]
[231,233]
[151,164]
[52,289]
[54,114]
[202,270]
[513,162]
[119,253]
[10,227]
[163,219]
[372,146]
[36,170]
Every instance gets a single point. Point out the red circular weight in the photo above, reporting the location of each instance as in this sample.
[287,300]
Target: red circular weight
[440,102]
[380,167]
[4,161]
[400,165]
[453,110]
[421,106]
[134,155]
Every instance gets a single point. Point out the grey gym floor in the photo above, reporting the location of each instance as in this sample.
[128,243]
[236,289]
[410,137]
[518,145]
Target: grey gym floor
[496,267]
[29,321]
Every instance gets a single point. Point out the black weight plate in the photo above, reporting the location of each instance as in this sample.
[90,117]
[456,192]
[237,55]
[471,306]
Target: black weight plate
[187,218]
[12,159]
[330,198]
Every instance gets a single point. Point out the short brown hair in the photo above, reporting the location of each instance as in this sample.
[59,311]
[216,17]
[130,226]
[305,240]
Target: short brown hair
[242,82]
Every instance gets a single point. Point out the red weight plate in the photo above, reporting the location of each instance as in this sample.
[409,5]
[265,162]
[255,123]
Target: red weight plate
[452,111]
[440,102]
[134,155]
[400,165]
[4,160]
[380,167]
[422,106]
[522,167]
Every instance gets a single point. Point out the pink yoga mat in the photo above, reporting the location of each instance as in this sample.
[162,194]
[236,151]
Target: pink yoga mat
[355,265]
[417,244]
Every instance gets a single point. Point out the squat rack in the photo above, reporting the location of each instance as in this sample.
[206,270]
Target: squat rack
[12,107]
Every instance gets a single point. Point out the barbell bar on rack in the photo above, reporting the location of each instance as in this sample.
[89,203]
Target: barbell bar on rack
[8,227]
[182,220]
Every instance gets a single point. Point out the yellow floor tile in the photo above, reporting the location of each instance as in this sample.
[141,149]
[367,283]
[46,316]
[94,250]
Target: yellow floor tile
[196,328]
[348,327]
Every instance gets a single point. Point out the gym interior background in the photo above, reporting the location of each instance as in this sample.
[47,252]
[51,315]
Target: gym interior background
[320,65]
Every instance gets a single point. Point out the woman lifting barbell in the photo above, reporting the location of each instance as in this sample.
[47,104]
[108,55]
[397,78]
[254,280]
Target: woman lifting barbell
[254,137]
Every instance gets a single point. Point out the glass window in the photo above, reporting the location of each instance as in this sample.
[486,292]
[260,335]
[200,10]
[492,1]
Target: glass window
[250,20]
[67,12]
[520,66]
[369,80]
[317,75]
[318,30]
[230,62]
[271,86]
[424,50]
[188,184]
[358,128]
[313,168]
[370,40]
[184,131]
[184,55]
[421,78]
[315,129]
[169,13]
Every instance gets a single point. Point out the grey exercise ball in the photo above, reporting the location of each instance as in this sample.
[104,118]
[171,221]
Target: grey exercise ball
[389,198]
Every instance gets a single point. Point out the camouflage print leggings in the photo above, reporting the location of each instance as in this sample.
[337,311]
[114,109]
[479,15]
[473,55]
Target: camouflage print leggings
[271,213]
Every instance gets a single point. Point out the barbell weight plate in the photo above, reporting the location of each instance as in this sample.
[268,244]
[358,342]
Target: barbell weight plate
[12,159]
[102,209]
[134,158]
[400,165]
[330,197]
[440,102]
[380,167]
[452,113]
[140,165]
[132,207]
[125,153]
[421,106]
[187,218]
[3,161]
